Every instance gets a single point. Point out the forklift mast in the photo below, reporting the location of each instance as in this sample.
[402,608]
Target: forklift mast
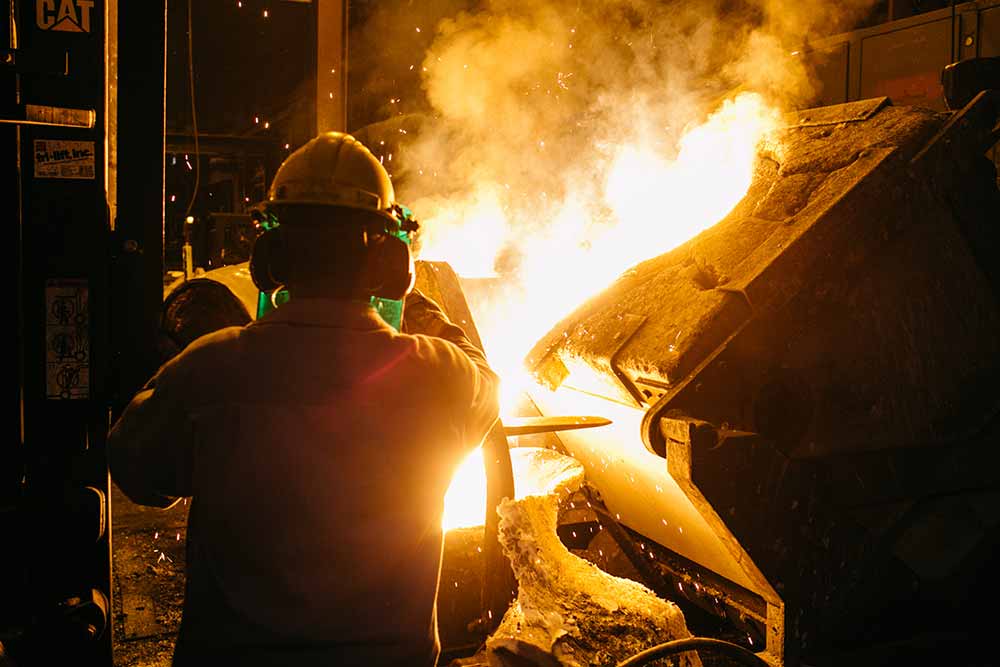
[88,283]
[55,487]
[83,91]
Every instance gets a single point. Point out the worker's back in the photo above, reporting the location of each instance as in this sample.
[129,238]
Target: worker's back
[321,446]
[316,442]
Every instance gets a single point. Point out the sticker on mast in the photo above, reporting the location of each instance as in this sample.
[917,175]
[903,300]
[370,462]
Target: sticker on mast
[55,158]
[63,15]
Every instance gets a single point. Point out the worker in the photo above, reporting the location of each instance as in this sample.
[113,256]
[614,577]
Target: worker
[316,443]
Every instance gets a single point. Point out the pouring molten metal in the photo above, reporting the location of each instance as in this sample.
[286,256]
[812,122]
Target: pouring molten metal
[653,202]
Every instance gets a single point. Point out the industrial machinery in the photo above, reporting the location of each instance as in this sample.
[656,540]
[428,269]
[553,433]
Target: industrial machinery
[804,397]
[804,411]
[53,472]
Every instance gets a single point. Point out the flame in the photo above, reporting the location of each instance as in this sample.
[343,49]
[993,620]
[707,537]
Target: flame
[465,501]
[648,202]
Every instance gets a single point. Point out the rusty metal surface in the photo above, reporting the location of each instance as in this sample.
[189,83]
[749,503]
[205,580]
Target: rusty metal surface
[826,284]
[816,375]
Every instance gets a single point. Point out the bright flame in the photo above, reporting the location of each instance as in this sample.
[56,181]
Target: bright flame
[650,204]
[465,502]
[536,472]
[470,248]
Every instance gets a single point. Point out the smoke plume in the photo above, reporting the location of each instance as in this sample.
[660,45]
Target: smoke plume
[510,118]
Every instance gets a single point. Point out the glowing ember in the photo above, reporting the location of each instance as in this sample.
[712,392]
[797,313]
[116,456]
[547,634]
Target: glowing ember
[648,203]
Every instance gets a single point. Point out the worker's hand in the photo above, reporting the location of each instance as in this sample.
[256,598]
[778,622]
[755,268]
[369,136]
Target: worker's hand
[421,315]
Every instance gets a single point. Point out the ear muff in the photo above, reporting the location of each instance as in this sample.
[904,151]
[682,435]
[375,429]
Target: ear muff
[389,273]
[269,261]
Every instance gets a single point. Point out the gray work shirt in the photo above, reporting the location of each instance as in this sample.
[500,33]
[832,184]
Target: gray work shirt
[317,445]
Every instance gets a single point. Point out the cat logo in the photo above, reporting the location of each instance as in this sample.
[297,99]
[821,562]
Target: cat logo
[63,15]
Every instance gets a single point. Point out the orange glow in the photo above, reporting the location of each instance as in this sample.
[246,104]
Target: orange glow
[465,502]
[656,202]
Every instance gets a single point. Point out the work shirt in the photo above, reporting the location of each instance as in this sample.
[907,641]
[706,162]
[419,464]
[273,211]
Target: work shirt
[317,445]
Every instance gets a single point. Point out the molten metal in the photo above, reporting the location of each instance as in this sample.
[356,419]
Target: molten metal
[656,202]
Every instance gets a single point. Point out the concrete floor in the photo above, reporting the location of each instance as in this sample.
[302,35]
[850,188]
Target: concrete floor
[148,584]
[148,581]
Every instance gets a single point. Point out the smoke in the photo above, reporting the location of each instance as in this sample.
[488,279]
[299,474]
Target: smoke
[529,101]
[510,123]
[557,143]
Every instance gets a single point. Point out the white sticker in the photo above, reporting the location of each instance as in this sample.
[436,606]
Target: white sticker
[64,159]
[67,339]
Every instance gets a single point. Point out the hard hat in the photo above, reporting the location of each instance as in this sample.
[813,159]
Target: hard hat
[336,170]
[333,169]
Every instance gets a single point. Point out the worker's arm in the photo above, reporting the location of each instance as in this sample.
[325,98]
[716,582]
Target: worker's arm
[150,446]
[423,315]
